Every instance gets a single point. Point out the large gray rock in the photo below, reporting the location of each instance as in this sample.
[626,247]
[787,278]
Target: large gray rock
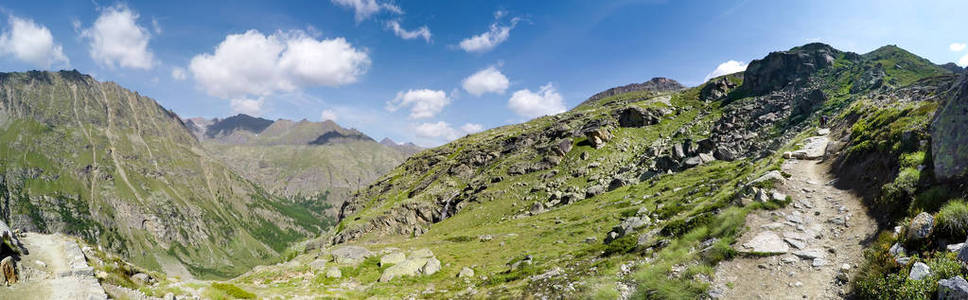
[716,89]
[465,273]
[813,148]
[636,117]
[921,226]
[949,135]
[392,258]
[598,136]
[955,288]
[919,271]
[779,69]
[350,255]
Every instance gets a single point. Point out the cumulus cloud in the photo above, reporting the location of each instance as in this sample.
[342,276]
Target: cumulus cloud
[423,103]
[956,47]
[530,104]
[115,38]
[472,128]
[422,32]
[252,107]
[443,130]
[252,63]
[31,43]
[328,114]
[178,73]
[496,34]
[489,80]
[725,68]
[364,9]
[963,61]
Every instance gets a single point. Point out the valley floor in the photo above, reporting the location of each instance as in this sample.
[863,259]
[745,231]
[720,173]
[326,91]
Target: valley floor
[817,240]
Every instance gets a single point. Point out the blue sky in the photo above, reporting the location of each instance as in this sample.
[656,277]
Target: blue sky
[476,65]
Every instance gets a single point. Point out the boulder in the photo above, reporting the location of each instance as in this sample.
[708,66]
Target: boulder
[563,147]
[627,226]
[465,273]
[636,117]
[598,136]
[350,255]
[317,265]
[919,271]
[949,135]
[594,190]
[814,148]
[431,267]
[692,162]
[953,288]
[8,270]
[722,153]
[142,279]
[771,175]
[716,89]
[779,69]
[422,253]
[392,258]
[921,226]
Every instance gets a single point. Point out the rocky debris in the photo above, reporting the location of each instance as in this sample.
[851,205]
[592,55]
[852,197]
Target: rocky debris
[465,272]
[953,288]
[809,102]
[767,242]
[637,117]
[779,69]
[921,226]
[350,255]
[949,143]
[919,271]
[597,136]
[658,84]
[769,176]
[419,262]
[392,258]
[716,89]
[8,270]
[485,238]
[814,148]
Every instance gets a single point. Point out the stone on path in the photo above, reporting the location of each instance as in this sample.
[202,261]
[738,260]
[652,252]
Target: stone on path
[767,242]
[813,148]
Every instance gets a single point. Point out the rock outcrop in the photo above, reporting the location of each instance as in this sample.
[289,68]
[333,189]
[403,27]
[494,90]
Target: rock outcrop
[949,135]
[779,69]
[658,84]
[716,89]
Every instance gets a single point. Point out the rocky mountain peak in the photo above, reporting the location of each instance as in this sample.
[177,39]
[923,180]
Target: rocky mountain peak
[657,84]
[237,122]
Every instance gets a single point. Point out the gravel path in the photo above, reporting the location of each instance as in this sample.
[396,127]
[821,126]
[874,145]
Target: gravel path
[54,269]
[823,230]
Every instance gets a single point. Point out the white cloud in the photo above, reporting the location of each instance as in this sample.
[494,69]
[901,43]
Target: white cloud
[529,104]
[472,128]
[364,9]
[422,32]
[725,68]
[178,73]
[488,80]
[30,42]
[963,61]
[256,64]
[116,38]
[443,131]
[487,41]
[155,26]
[328,114]
[423,103]
[252,107]
[956,47]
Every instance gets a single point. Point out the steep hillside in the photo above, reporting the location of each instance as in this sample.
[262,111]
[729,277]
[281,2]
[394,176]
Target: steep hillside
[643,193]
[318,162]
[97,161]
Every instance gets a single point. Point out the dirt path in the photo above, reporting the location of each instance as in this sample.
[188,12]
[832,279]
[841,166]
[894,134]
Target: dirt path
[54,269]
[823,231]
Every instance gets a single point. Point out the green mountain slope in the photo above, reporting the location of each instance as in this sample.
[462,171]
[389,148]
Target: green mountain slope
[319,162]
[98,161]
[642,191]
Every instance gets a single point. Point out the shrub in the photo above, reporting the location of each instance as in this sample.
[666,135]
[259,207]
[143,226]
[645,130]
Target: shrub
[953,219]
[621,245]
